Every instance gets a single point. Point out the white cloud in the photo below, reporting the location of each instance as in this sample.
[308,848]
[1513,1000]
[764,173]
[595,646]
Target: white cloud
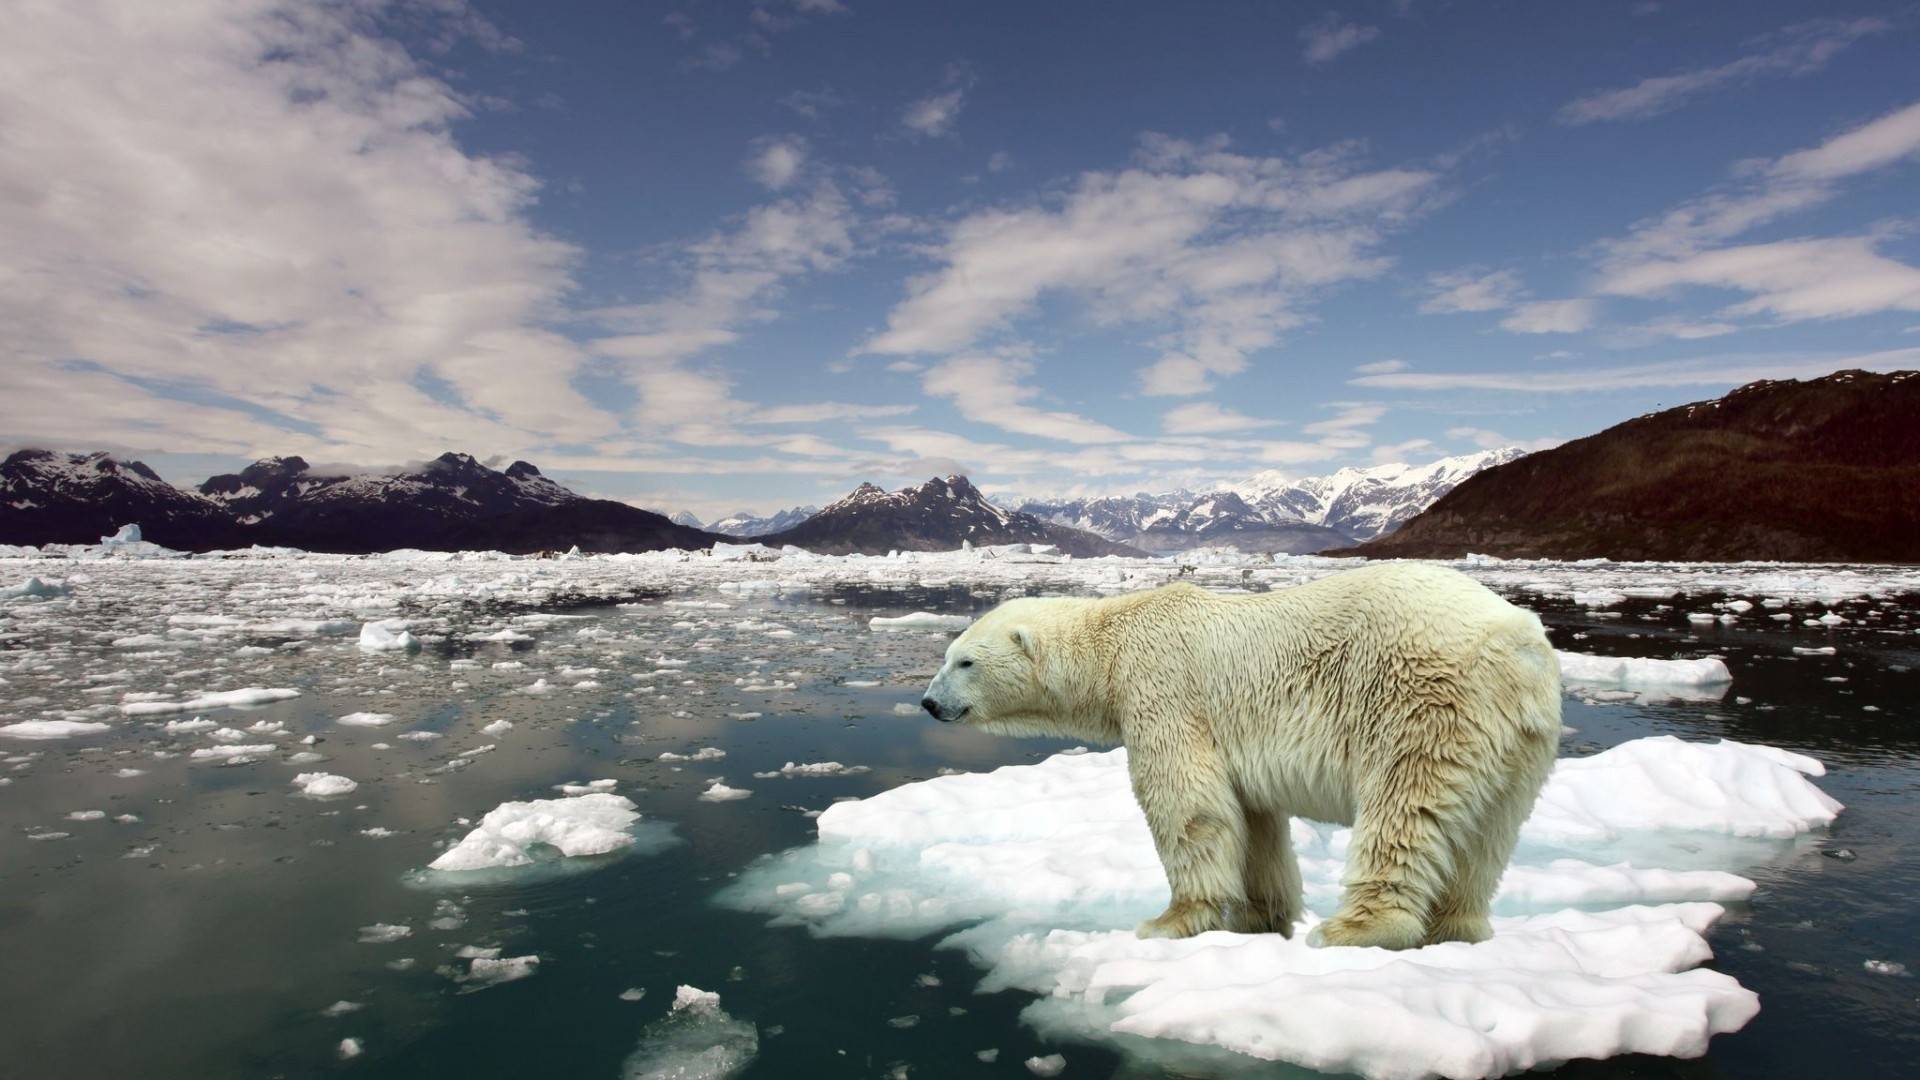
[820,412]
[1711,371]
[1551,317]
[264,204]
[1215,250]
[776,162]
[1790,280]
[1487,439]
[1805,48]
[1331,35]
[1458,291]
[1771,189]
[1400,451]
[992,389]
[1206,418]
[1381,367]
[1350,418]
[935,114]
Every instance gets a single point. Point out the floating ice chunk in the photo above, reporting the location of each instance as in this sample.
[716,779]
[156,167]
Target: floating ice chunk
[593,824]
[52,729]
[222,699]
[383,933]
[920,620]
[1052,864]
[498,727]
[87,815]
[421,736]
[504,635]
[486,971]
[696,1040]
[1051,1065]
[817,768]
[705,753]
[1886,967]
[342,1008]
[350,1048]
[181,727]
[633,993]
[234,753]
[319,785]
[718,791]
[35,589]
[1633,670]
[387,635]
[365,719]
[587,788]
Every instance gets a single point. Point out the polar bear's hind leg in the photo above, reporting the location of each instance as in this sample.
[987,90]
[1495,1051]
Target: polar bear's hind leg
[1273,876]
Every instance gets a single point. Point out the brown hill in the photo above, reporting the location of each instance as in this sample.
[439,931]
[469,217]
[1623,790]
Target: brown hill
[1825,470]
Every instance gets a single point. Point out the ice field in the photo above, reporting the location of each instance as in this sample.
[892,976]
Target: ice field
[669,814]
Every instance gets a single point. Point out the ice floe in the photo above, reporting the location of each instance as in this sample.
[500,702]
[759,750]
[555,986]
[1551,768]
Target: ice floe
[387,635]
[52,729]
[518,834]
[1600,921]
[220,699]
[920,620]
[319,785]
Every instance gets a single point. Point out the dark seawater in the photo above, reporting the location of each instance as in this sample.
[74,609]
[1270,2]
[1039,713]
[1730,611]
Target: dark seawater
[205,939]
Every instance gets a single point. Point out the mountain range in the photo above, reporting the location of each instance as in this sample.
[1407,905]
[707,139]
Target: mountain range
[1269,512]
[450,503]
[939,515]
[1820,470]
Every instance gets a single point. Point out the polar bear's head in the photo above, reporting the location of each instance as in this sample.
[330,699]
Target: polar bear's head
[1010,673]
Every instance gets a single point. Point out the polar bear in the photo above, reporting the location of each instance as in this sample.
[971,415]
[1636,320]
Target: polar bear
[1406,700]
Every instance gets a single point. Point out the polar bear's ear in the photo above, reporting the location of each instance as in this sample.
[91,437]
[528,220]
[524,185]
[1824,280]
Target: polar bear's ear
[1023,637]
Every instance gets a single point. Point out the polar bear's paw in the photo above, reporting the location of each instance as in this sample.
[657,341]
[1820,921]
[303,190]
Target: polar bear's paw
[1467,928]
[1264,917]
[1379,930]
[1183,918]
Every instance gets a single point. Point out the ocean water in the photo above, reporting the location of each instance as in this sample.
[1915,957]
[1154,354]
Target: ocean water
[163,915]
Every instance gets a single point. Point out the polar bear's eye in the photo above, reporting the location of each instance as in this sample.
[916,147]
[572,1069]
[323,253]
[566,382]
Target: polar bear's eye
[966,663]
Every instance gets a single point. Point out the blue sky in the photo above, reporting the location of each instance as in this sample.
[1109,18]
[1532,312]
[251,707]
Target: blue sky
[724,255]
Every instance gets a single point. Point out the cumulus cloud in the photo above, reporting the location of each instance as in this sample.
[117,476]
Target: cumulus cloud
[1332,35]
[993,389]
[254,217]
[776,162]
[1800,50]
[1213,252]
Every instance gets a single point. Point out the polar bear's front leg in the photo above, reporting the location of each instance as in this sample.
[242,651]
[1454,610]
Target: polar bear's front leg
[1201,835]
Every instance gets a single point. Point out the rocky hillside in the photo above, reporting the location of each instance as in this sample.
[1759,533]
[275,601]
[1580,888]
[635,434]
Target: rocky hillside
[939,515]
[1824,470]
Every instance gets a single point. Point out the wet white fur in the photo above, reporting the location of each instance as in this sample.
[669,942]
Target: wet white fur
[1404,699]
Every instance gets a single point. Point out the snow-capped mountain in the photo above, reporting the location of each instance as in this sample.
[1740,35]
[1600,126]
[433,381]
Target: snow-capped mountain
[939,515]
[453,501]
[54,498]
[746,524]
[687,518]
[1271,512]
[450,503]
